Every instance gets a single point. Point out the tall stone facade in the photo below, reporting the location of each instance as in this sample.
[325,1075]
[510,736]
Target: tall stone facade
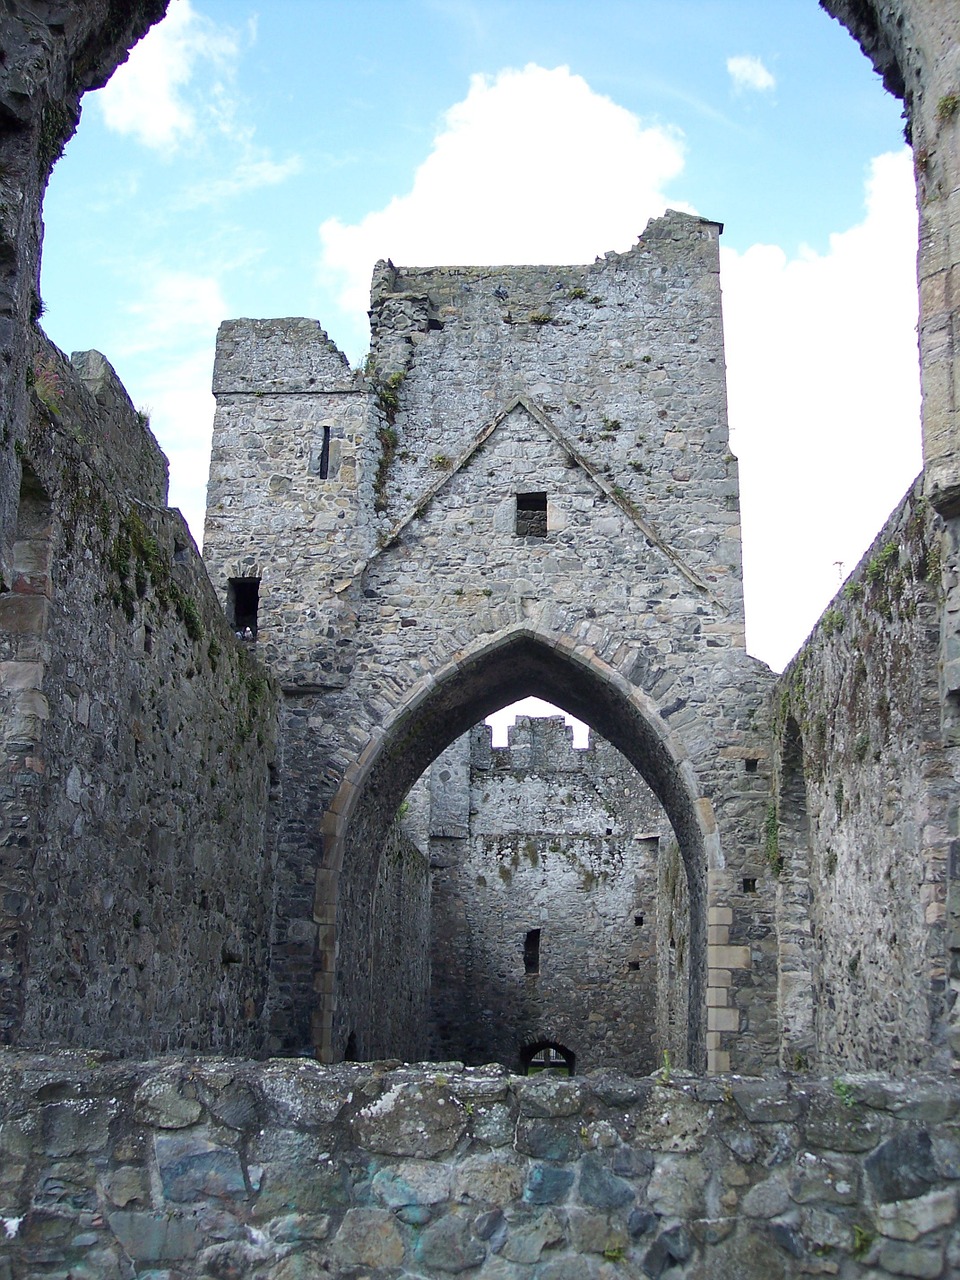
[544,902]
[531,491]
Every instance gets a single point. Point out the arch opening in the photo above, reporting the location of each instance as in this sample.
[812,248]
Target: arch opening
[500,671]
[549,1056]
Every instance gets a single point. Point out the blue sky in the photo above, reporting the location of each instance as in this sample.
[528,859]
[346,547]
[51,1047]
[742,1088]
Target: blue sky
[255,159]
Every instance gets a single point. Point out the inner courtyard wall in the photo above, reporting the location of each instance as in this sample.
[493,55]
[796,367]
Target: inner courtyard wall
[544,900]
[137,737]
[861,837]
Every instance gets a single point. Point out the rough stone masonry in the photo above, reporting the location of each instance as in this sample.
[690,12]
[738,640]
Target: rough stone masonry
[535,464]
[528,490]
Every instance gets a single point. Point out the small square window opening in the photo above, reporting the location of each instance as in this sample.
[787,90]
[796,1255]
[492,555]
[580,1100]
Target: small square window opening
[531,515]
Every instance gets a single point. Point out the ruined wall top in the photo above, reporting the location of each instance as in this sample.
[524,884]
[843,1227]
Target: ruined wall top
[282,355]
[124,448]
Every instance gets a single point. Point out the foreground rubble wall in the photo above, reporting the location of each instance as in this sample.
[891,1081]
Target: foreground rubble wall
[189,1167]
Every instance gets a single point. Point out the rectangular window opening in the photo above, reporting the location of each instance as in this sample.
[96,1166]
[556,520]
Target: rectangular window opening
[751,765]
[324,465]
[243,602]
[749,884]
[531,515]
[531,951]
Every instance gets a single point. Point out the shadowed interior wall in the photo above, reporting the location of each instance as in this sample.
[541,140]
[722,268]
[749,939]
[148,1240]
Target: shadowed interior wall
[865,813]
[544,900]
[136,736]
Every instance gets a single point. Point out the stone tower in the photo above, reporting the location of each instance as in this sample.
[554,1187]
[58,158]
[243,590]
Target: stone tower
[528,490]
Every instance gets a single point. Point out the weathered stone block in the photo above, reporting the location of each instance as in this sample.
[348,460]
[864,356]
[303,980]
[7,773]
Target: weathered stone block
[766,1199]
[168,1103]
[192,1167]
[548,1139]
[547,1184]
[370,1238]
[150,1237]
[915,1260]
[601,1189]
[449,1245]
[911,1219]
[902,1168]
[411,1120]
[416,1182]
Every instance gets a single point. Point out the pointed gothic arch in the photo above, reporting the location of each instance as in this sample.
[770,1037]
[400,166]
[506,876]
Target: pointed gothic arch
[497,670]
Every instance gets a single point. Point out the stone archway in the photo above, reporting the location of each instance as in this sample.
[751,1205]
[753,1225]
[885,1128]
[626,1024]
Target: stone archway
[496,670]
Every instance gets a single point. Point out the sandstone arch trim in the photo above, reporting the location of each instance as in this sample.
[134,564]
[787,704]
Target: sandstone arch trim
[488,674]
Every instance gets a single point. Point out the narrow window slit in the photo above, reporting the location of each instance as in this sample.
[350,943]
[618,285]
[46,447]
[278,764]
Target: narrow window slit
[531,952]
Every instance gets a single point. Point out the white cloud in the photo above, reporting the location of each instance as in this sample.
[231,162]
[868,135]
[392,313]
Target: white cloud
[823,383]
[181,404]
[748,72]
[256,170]
[532,166]
[174,311]
[147,97]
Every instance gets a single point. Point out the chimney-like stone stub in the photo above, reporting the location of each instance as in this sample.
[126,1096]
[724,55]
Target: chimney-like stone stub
[291,354]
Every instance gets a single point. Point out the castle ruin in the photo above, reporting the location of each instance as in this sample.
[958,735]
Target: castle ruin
[226,828]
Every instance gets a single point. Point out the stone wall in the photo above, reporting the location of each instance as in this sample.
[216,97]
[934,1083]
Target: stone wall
[401,940]
[287,1170]
[596,391]
[137,735]
[866,814]
[560,844]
